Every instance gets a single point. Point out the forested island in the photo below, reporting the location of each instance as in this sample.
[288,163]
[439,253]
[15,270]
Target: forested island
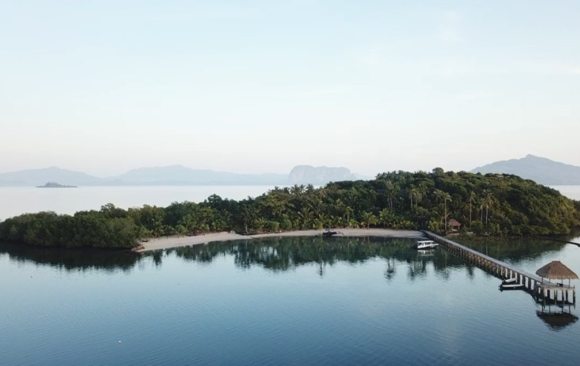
[55,185]
[492,204]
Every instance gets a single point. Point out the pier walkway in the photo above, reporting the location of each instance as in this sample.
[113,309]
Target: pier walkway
[533,283]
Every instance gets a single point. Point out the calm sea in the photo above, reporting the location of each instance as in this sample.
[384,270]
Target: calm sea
[292,301]
[18,200]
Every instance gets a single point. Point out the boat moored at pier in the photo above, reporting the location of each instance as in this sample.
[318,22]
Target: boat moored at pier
[426,244]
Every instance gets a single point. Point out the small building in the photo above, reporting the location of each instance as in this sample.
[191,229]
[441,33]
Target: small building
[556,270]
[454,225]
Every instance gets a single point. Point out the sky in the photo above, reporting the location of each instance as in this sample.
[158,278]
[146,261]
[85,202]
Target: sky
[261,86]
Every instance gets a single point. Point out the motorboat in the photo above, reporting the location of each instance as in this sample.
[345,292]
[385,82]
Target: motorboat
[511,284]
[426,244]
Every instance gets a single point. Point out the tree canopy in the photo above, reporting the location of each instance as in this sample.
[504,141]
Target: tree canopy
[485,204]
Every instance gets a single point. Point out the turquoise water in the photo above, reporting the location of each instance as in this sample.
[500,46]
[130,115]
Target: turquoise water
[292,301]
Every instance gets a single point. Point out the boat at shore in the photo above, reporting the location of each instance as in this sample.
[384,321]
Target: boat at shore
[329,233]
[426,244]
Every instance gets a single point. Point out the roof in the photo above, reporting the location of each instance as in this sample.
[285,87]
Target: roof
[454,222]
[557,271]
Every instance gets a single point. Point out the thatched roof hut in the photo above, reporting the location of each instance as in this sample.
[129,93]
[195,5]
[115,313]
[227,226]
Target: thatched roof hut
[556,270]
[453,222]
[454,225]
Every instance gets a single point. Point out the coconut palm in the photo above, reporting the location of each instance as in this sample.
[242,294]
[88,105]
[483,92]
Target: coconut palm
[323,220]
[385,217]
[414,194]
[472,199]
[348,211]
[305,217]
[368,219]
[487,202]
[391,191]
[443,196]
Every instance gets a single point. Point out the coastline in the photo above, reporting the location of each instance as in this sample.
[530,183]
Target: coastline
[175,242]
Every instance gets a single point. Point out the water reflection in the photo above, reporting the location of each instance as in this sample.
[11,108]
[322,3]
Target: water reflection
[284,254]
[557,320]
[398,261]
[71,259]
[513,250]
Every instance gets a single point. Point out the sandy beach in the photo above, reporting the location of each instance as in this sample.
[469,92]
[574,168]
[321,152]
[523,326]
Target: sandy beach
[174,241]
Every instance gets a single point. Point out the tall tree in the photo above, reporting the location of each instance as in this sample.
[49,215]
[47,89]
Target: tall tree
[472,199]
[488,201]
[443,196]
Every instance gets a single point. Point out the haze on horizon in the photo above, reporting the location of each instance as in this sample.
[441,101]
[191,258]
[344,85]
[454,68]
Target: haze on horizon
[262,86]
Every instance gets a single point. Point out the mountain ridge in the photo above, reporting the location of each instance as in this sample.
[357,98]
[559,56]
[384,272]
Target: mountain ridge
[173,175]
[539,169]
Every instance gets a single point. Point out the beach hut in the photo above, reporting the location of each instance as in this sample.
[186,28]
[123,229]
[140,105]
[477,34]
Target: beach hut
[556,270]
[454,225]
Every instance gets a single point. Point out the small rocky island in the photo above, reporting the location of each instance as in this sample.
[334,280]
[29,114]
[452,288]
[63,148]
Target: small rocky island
[55,185]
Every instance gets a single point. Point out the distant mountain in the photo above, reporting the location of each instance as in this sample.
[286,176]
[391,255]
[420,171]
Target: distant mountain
[177,175]
[41,176]
[540,170]
[180,175]
[306,174]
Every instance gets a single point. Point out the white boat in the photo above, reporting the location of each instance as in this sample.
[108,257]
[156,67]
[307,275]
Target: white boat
[511,284]
[426,244]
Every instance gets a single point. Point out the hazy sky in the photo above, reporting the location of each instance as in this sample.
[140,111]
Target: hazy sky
[261,86]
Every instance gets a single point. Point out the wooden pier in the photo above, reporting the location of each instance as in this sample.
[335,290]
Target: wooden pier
[537,286]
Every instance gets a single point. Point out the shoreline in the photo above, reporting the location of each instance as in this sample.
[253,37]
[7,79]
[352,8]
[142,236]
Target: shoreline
[185,241]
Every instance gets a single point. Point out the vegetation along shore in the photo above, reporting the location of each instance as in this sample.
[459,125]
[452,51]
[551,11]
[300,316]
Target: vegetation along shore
[492,204]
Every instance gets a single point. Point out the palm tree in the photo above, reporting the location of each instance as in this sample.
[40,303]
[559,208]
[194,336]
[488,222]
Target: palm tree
[472,199]
[414,194]
[323,219]
[335,221]
[487,203]
[443,196]
[447,197]
[347,212]
[306,217]
[339,207]
[157,229]
[384,217]
[391,192]
[297,189]
[317,207]
[368,219]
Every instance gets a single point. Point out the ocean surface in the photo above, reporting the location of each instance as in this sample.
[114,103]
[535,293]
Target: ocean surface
[291,301]
[18,200]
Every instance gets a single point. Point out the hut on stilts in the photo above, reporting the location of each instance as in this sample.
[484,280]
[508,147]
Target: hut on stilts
[556,270]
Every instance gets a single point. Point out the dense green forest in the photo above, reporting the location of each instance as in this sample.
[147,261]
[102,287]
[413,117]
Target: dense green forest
[490,204]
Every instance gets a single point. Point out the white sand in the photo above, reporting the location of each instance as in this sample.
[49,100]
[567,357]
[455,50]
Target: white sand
[174,242]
